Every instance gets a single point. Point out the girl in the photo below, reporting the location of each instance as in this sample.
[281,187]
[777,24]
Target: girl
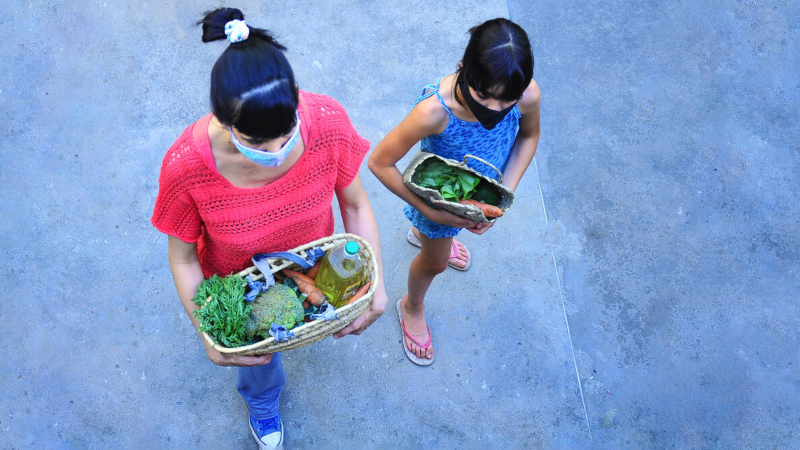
[488,108]
[258,175]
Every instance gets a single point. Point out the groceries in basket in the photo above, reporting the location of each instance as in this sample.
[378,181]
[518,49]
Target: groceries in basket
[341,273]
[455,187]
[237,311]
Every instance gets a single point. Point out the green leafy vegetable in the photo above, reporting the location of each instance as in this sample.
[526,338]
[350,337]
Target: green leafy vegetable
[454,184]
[225,315]
[486,193]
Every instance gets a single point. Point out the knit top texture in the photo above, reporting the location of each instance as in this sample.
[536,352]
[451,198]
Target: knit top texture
[230,224]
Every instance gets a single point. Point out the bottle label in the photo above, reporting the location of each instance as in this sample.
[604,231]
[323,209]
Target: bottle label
[350,291]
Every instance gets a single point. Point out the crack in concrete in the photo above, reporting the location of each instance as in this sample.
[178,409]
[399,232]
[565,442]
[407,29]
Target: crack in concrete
[561,295]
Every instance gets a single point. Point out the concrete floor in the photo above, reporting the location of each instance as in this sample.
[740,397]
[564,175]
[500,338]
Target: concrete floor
[648,298]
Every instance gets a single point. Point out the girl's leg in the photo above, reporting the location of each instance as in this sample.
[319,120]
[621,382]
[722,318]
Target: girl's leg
[260,387]
[460,260]
[431,261]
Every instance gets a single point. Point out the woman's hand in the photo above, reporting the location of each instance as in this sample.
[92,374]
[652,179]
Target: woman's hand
[359,219]
[368,317]
[188,275]
[222,359]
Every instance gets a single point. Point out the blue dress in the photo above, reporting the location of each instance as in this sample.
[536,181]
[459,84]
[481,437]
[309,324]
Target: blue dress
[458,139]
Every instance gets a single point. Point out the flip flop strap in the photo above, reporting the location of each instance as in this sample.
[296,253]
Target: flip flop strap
[408,335]
[454,249]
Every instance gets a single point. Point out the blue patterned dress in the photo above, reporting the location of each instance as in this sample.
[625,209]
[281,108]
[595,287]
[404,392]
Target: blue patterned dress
[458,139]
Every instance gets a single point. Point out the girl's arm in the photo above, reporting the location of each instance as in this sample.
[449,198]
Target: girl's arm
[359,219]
[524,145]
[187,274]
[527,138]
[427,117]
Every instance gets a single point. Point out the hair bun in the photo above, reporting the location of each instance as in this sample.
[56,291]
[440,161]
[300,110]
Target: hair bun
[214,23]
[229,24]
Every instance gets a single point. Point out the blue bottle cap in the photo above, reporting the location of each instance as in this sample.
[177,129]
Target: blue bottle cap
[351,248]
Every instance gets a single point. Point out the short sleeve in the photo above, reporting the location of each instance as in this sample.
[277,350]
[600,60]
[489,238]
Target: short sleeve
[175,212]
[352,149]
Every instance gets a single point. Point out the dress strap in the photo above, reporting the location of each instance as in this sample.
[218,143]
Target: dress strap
[517,112]
[431,89]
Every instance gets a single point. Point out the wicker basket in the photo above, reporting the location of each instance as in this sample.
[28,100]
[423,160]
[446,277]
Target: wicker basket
[317,330]
[434,197]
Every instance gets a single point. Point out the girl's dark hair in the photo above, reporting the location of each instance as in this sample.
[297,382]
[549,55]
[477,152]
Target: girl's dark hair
[498,54]
[252,83]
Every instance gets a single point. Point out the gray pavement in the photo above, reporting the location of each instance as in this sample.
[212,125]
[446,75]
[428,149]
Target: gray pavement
[642,293]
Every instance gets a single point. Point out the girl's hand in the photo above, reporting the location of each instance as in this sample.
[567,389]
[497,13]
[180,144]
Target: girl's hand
[444,217]
[368,317]
[222,359]
[480,227]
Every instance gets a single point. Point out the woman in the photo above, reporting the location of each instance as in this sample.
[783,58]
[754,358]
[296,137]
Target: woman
[258,175]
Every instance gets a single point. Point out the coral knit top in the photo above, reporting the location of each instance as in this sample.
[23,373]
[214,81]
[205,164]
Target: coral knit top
[230,224]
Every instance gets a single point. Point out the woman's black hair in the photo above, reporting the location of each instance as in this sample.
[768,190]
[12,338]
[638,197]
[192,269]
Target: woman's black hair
[498,54]
[252,83]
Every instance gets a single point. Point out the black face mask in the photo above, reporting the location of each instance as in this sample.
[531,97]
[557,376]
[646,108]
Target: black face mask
[489,118]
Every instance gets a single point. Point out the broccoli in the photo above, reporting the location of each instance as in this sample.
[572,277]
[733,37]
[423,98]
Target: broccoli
[278,305]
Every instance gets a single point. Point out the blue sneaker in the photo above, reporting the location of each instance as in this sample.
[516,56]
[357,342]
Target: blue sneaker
[267,432]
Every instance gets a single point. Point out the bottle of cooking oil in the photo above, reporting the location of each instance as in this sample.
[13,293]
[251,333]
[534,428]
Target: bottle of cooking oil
[341,273]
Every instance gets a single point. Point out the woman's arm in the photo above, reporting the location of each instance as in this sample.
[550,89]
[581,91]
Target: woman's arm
[187,274]
[427,117]
[527,138]
[359,219]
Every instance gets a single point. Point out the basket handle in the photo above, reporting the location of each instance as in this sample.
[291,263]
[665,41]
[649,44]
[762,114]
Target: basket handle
[305,263]
[499,174]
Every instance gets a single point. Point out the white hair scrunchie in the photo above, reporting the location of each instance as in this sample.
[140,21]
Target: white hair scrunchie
[237,31]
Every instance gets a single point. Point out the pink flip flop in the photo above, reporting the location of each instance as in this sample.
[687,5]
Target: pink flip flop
[414,358]
[414,240]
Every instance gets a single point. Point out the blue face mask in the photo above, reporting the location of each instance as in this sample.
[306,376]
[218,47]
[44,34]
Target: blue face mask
[263,157]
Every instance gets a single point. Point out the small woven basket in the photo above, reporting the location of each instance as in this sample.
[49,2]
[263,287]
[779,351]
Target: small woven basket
[317,330]
[434,197]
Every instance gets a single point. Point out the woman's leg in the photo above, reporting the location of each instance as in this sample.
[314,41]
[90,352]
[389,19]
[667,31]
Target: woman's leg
[431,261]
[260,387]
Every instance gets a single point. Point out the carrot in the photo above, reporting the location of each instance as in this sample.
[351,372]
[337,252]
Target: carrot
[359,293]
[490,211]
[312,272]
[307,286]
[278,277]
[294,275]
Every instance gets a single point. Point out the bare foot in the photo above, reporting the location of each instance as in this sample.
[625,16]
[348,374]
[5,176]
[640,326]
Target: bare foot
[416,327]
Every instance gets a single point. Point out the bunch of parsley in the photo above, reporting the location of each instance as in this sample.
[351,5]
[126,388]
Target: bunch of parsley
[454,184]
[225,315]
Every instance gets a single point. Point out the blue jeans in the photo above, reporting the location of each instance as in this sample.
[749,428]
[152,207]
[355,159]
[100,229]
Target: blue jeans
[260,387]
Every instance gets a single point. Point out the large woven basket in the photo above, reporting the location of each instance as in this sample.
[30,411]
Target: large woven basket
[435,198]
[317,330]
